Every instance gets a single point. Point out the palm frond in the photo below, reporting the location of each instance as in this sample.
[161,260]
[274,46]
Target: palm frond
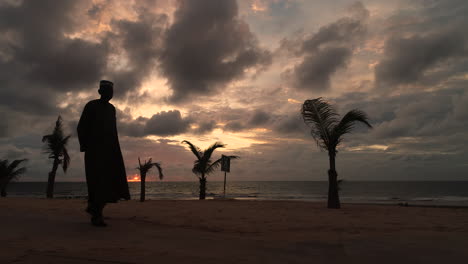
[203,164]
[321,116]
[15,174]
[66,159]
[15,164]
[198,167]
[213,166]
[147,165]
[158,166]
[55,144]
[11,171]
[347,124]
[209,151]
[205,161]
[65,140]
[195,150]
[46,138]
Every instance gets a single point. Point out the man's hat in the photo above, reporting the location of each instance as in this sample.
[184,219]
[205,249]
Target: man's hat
[104,83]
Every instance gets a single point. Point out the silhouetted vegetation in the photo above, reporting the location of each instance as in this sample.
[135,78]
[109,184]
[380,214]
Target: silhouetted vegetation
[56,147]
[9,172]
[203,164]
[144,169]
[328,132]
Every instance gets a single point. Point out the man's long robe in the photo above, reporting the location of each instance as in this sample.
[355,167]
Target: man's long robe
[105,170]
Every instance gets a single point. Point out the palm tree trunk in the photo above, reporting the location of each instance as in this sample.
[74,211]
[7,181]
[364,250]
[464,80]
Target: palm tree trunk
[51,180]
[143,189]
[333,197]
[202,187]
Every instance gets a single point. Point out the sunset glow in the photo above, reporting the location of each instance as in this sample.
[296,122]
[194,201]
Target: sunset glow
[178,75]
[134,178]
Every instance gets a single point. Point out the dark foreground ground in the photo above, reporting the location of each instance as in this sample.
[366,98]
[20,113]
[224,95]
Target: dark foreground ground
[58,231]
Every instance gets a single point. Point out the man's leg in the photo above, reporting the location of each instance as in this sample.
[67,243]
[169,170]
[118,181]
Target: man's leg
[96,213]
[90,209]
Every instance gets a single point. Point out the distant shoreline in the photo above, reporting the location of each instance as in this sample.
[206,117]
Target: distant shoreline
[195,180]
[428,193]
[230,199]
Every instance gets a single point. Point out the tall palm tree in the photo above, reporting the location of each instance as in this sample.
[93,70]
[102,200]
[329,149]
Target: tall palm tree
[328,132]
[203,165]
[56,147]
[144,168]
[9,172]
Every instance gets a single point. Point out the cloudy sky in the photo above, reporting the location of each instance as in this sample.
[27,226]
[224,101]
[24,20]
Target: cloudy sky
[237,72]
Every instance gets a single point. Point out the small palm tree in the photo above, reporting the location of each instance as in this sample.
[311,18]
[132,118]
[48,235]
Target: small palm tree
[328,132]
[9,172]
[203,164]
[56,147]
[144,168]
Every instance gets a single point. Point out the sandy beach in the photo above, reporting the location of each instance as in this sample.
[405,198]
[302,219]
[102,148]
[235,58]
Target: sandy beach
[58,231]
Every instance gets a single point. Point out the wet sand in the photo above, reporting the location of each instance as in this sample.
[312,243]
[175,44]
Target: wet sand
[58,231]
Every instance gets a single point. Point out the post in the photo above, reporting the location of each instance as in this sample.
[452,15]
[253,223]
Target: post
[225,166]
[224,184]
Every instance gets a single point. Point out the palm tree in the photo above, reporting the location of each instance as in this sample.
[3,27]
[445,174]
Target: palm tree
[203,164]
[9,172]
[328,132]
[144,168]
[56,147]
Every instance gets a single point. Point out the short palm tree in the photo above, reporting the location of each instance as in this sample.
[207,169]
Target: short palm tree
[203,165]
[144,168]
[328,132]
[56,147]
[9,172]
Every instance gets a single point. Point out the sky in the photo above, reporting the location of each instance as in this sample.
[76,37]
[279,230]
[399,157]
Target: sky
[238,72]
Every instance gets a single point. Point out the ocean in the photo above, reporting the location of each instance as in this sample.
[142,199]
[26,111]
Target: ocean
[415,192]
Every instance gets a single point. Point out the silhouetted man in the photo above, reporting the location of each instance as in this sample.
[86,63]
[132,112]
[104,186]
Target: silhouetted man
[105,169]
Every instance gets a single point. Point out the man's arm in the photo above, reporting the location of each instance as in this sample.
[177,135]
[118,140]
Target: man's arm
[84,127]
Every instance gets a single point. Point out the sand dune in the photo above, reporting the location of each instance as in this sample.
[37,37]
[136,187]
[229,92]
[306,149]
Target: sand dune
[58,231]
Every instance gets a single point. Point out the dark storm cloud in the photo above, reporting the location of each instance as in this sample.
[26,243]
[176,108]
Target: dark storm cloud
[44,57]
[39,62]
[235,126]
[39,51]
[207,47]
[428,44]
[407,59]
[242,119]
[4,125]
[39,58]
[248,120]
[259,118]
[316,69]
[326,51]
[422,115]
[140,41]
[172,123]
[416,123]
[205,127]
[165,123]
[291,124]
